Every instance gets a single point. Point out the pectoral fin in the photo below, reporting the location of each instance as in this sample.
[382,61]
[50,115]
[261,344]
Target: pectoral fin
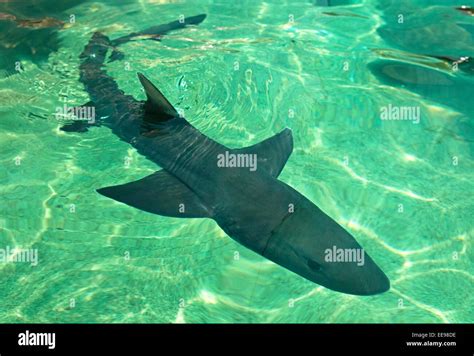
[160,193]
[272,153]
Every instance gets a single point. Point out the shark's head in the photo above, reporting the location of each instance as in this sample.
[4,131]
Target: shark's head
[311,244]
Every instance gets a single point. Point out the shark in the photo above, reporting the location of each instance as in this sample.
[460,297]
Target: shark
[252,206]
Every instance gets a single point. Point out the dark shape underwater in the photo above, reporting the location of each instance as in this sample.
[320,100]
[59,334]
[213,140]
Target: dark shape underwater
[253,207]
[447,88]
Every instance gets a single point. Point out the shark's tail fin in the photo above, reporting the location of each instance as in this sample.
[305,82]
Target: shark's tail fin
[153,33]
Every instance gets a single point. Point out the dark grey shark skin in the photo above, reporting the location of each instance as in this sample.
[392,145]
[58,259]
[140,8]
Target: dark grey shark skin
[252,207]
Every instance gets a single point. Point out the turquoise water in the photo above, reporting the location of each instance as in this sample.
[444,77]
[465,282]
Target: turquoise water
[404,190]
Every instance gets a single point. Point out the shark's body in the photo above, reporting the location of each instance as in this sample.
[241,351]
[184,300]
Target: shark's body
[253,207]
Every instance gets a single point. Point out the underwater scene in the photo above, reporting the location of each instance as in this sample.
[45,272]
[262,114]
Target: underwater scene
[213,161]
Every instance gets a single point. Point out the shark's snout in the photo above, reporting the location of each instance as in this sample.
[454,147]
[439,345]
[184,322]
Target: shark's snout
[352,278]
[314,246]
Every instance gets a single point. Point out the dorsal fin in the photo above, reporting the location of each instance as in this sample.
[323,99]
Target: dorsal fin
[156,103]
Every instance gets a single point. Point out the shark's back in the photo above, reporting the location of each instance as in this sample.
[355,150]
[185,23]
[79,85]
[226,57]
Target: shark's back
[190,162]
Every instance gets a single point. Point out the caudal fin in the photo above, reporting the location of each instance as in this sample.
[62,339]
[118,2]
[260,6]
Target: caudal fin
[155,32]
